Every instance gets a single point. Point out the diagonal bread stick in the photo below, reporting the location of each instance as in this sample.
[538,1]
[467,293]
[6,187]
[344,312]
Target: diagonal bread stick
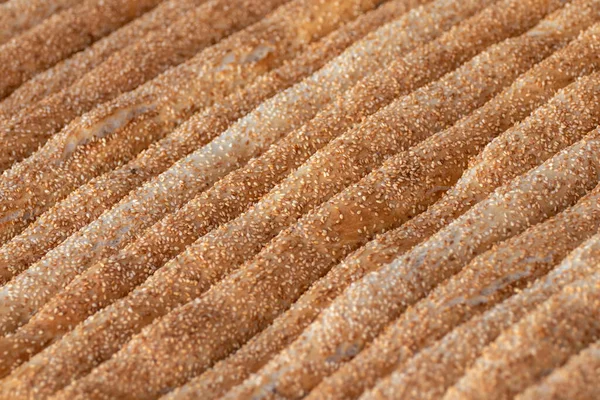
[545,339]
[432,368]
[437,367]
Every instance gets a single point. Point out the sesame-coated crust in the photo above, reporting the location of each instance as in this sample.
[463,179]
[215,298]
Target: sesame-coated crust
[560,327]
[437,371]
[477,287]
[396,242]
[185,282]
[304,310]
[436,368]
[197,131]
[280,199]
[135,64]
[162,241]
[193,169]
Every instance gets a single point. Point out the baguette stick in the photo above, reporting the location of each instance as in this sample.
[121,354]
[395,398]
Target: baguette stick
[484,282]
[68,71]
[209,205]
[61,35]
[162,48]
[512,105]
[347,326]
[541,341]
[581,296]
[254,279]
[19,15]
[579,379]
[170,190]
[89,201]
[125,126]
[437,367]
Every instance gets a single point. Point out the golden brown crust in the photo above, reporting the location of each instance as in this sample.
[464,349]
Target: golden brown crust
[429,374]
[123,71]
[170,97]
[182,228]
[437,367]
[94,197]
[286,328]
[353,377]
[235,216]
